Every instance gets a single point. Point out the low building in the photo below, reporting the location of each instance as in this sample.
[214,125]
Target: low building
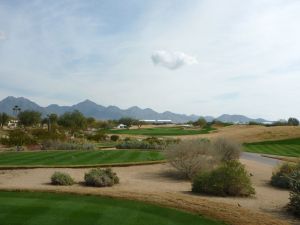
[12,124]
[121,126]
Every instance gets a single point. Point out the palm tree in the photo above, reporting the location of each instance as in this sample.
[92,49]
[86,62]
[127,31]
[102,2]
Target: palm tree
[16,110]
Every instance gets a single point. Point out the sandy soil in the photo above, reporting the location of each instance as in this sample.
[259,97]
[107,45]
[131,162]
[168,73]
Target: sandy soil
[155,183]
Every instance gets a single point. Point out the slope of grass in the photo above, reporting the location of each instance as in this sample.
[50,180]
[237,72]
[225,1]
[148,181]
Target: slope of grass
[70,157]
[162,131]
[59,209]
[288,147]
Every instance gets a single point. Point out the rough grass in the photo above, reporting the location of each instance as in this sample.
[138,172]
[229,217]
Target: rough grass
[71,157]
[163,131]
[54,209]
[288,147]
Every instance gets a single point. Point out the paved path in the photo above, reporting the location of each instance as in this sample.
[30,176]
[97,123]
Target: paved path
[260,159]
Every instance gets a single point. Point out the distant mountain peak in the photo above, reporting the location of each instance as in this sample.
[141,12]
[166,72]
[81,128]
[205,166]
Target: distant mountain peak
[92,109]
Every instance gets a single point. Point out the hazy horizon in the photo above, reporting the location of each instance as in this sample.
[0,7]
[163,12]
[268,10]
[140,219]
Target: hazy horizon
[207,57]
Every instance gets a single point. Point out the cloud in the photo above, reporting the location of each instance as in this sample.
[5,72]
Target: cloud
[172,60]
[2,36]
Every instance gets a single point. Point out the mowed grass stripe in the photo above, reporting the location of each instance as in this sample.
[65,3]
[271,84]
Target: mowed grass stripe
[289,147]
[59,209]
[69,157]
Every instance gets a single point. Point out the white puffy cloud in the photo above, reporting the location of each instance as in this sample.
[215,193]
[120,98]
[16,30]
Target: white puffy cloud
[172,60]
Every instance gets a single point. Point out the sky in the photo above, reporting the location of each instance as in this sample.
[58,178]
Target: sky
[204,57]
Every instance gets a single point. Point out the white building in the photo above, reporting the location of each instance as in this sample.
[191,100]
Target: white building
[121,126]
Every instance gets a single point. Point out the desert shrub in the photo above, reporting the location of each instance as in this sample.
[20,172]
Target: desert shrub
[59,178]
[230,179]
[114,137]
[226,149]
[18,137]
[135,144]
[101,178]
[294,204]
[192,156]
[42,134]
[148,143]
[98,136]
[58,145]
[281,176]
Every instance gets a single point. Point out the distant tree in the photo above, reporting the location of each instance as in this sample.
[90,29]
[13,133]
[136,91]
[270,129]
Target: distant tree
[53,118]
[200,122]
[3,119]
[73,121]
[293,121]
[29,118]
[127,121]
[90,121]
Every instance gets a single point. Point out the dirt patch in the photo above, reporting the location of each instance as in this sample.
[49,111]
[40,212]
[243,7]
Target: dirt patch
[157,184]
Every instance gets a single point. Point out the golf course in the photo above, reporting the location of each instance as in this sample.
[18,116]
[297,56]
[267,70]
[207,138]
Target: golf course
[34,208]
[69,158]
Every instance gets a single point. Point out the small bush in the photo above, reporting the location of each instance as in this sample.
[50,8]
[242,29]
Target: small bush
[281,176]
[59,178]
[191,157]
[226,149]
[135,144]
[230,179]
[101,178]
[294,204]
[114,137]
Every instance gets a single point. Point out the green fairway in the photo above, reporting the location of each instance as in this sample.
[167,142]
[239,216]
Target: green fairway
[289,147]
[59,209]
[70,157]
[162,131]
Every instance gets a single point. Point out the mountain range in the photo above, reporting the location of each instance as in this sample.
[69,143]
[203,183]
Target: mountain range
[91,109]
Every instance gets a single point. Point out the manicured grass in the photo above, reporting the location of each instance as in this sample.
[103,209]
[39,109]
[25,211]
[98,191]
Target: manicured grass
[288,147]
[59,209]
[69,157]
[163,131]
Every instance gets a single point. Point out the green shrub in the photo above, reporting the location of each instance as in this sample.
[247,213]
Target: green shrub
[18,137]
[281,176]
[98,136]
[294,204]
[42,134]
[230,179]
[58,145]
[59,178]
[114,137]
[101,178]
[135,144]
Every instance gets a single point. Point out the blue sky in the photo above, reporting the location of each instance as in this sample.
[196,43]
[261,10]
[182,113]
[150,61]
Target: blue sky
[203,57]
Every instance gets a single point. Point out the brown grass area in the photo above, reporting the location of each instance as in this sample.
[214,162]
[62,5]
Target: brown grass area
[252,133]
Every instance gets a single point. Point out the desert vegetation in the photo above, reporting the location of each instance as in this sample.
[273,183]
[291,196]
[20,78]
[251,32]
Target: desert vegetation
[194,156]
[229,179]
[63,179]
[101,178]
